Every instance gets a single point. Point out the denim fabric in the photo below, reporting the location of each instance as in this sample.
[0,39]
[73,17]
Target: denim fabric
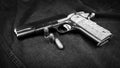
[37,52]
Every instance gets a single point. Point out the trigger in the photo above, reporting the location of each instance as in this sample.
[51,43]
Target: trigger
[67,27]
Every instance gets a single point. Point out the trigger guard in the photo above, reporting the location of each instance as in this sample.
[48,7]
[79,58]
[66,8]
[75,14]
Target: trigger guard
[64,28]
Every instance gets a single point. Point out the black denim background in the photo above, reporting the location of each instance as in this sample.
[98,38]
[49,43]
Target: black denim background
[79,51]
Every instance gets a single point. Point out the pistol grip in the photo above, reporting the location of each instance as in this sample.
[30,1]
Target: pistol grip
[91,29]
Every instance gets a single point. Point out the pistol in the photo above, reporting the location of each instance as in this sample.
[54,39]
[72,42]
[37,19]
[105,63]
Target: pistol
[74,21]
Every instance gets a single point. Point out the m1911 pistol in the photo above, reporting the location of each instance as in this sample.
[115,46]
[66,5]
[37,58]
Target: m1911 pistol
[74,21]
